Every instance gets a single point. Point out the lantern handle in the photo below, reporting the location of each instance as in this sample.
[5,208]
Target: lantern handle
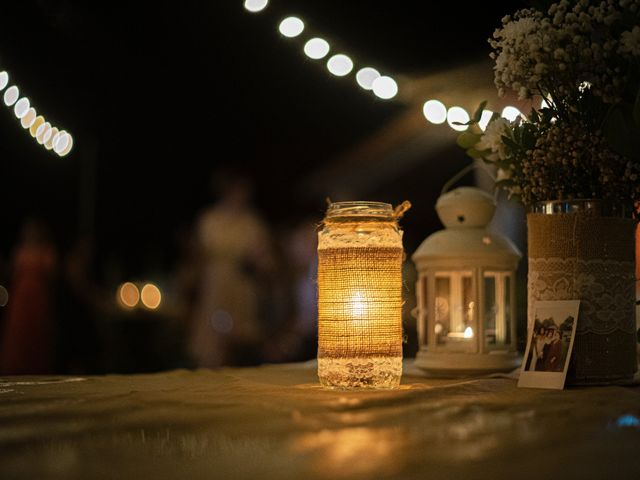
[472,166]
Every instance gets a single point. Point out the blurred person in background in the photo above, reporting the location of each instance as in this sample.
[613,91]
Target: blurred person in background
[79,298]
[234,252]
[29,335]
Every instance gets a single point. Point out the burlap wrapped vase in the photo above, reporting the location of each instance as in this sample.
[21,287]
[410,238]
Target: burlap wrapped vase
[582,254]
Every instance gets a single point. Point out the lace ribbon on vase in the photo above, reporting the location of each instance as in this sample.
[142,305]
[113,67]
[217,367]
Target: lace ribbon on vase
[603,287]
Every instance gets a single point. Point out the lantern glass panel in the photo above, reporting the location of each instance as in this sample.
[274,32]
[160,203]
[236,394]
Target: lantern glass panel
[497,309]
[454,322]
[421,290]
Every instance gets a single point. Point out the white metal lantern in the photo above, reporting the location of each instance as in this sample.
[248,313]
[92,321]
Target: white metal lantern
[466,290]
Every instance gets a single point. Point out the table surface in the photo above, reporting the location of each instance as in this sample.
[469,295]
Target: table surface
[277,422]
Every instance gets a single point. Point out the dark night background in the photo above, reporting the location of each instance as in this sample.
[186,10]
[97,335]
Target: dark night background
[161,93]
[158,95]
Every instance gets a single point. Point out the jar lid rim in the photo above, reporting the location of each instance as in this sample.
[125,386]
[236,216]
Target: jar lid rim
[360,209]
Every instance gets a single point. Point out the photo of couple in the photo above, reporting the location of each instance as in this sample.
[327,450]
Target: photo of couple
[549,345]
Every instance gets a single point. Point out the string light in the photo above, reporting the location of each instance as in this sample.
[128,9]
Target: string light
[511,113]
[457,115]
[291,27]
[366,76]
[33,129]
[43,130]
[28,118]
[21,107]
[316,48]
[53,135]
[62,142]
[340,65]
[255,6]
[4,80]
[385,87]
[150,296]
[11,95]
[435,111]
[485,118]
[44,133]
[128,295]
[68,148]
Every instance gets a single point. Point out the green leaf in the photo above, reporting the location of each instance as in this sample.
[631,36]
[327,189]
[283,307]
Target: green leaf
[473,153]
[467,139]
[511,143]
[478,113]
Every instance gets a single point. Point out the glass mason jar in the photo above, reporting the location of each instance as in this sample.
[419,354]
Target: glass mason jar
[360,296]
[585,250]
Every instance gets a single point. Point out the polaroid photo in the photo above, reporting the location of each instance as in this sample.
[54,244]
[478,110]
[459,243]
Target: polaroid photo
[549,345]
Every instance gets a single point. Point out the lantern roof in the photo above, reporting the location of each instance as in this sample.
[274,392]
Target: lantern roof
[468,243]
[465,212]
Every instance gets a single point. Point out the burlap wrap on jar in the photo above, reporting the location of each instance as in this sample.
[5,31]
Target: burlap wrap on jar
[590,258]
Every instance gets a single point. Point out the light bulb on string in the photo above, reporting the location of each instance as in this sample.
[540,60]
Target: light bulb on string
[255,6]
[29,118]
[366,76]
[384,87]
[340,65]
[316,48]
[457,115]
[21,107]
[11,95]
[291,27]
[4,80]
[435,111]
[53,137]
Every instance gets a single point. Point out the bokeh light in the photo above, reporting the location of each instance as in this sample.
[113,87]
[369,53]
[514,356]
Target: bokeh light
[255,6]
[4,80]
[11,95]
[385,87]
[316,48]
[291,27]
[485,118]
[21,107]
[128,295]
[68,147]
[435,111]
[151,296]
[48,144]
[28,118]
[366,76]
[33,129]
[43,133]
[511,113]
[61,142]
[457,114]
[340,65]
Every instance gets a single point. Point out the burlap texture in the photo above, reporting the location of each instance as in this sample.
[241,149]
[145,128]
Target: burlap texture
[590,258]
[359,302]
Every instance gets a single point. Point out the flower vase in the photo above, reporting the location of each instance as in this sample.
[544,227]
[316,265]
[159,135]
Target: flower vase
[578,250]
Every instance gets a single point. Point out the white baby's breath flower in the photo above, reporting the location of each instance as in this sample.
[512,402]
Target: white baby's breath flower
[503,174]
[630,42]
[491,139]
